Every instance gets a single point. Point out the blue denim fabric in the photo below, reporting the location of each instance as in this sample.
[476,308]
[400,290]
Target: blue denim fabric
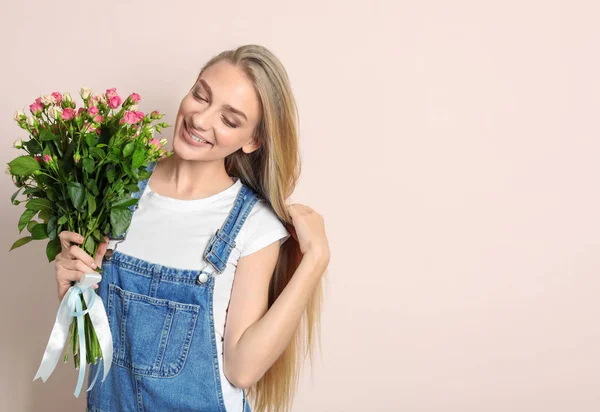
[161,320]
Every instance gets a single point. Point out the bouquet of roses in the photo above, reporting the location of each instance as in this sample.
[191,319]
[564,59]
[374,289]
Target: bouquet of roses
[79,172]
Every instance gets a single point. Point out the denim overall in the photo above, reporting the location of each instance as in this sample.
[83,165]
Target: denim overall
[162,325]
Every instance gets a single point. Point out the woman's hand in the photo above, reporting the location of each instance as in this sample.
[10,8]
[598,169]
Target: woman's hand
[72,262]
[309,229]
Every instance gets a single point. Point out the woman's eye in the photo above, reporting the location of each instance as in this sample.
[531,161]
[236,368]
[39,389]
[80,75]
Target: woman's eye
[197,96]
[228,123]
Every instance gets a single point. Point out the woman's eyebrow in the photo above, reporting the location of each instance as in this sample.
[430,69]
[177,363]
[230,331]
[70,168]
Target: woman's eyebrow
[225,106]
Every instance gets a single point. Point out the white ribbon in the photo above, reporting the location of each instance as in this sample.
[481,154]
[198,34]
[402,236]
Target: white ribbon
[70,307]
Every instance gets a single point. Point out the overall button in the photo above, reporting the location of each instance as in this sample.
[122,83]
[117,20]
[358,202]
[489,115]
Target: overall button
[202,278]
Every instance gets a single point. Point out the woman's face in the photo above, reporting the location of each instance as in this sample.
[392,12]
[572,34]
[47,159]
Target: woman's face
[223,109]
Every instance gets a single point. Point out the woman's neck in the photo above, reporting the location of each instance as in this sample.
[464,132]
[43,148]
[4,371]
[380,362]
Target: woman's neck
[189,179]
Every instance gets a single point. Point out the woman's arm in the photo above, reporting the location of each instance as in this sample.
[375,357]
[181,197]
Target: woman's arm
[254,336]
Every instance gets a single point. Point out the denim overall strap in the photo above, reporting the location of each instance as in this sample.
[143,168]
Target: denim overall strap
[142,186]
[223,241]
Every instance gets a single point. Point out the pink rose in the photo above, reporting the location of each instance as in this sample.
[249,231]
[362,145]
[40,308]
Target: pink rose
[93,111]
[131,117]
[47,158]
[57,96]
[99,119]
[155,143]
[36,107]
[140,115]
[111,92]
[135,98]
[114,102]
[88,127]
[68,114]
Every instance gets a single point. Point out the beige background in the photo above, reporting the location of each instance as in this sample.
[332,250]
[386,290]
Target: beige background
[453,148]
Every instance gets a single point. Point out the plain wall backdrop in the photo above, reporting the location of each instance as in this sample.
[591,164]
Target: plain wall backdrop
[452,147]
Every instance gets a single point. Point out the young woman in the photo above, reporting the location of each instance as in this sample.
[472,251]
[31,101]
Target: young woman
[207,290]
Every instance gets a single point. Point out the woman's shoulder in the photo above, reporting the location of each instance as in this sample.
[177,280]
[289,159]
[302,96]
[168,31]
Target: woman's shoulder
[261,228]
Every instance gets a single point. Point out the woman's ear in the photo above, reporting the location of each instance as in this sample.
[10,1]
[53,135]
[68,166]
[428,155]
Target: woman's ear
[251,146]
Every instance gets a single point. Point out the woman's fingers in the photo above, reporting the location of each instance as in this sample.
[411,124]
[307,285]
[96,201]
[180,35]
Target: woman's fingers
[75,252]
[101,251]
[66,238]
[75,269]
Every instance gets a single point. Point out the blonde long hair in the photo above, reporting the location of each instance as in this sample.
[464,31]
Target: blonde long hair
[273,171]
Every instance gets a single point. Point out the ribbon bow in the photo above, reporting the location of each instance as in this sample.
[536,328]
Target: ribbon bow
[70,307]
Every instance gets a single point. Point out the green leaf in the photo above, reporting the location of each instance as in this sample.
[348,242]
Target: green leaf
[52,226]
[120,218]
[91,139]
[52,249]
[90,244]
[31,224]
[128,149]
[97,153]
[38,232]
[39,203]
[51,193]
[47,135]
[58,148]
[21,242]
[144,174]
[88,164]
[31,190]
[125,202]
[33,147]
[132,187]
[97,236]
[14,196]
[139,157]
[45,215]
[68,160]
[77,194]
[23,166]
[92,187]
[26,218]
[63,219]
[91,200]
[110,175]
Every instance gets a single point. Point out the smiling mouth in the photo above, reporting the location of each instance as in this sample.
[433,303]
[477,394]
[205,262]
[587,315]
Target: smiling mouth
[195,137]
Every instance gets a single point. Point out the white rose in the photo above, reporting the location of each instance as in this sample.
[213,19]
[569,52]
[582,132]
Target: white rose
[67,98]
[18,115]
[102,99]
[133,108]
[18,144]
[163,141]
[30,121]
[48,100]
[85,92]
[54,112]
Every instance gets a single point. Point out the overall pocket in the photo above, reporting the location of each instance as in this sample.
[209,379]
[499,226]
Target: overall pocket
[151,336]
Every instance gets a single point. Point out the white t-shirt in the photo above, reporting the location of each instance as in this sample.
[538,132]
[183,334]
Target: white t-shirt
[174,232]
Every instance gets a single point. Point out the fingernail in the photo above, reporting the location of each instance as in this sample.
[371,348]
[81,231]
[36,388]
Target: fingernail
[93,265]
[81,238]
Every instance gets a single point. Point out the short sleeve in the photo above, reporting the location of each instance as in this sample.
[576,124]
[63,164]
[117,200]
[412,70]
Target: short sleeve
[261,228]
